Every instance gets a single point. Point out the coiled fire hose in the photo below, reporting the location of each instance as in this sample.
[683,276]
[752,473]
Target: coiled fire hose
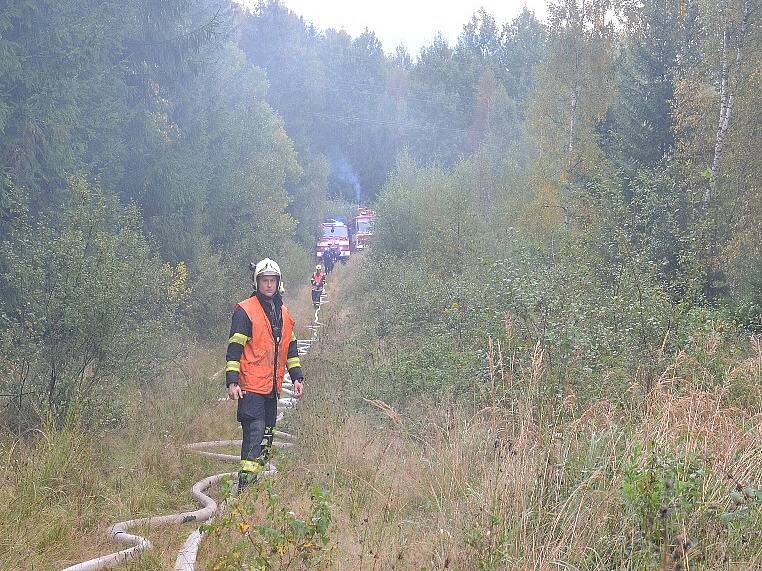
[186,557]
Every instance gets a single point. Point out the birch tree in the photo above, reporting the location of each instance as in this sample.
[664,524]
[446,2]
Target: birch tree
[573,92]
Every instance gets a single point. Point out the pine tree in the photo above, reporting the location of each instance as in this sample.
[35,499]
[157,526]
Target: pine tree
[642,115]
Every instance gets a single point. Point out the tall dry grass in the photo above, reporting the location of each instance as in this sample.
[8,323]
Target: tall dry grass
[509,479]
[63,487]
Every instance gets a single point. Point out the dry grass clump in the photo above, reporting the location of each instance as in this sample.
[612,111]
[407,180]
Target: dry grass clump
[63,488]
[509,482]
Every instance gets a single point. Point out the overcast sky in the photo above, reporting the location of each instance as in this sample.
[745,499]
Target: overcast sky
[410,22]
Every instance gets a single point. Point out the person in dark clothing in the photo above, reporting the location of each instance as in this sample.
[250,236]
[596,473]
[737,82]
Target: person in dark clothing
[328,260]
[257,357]
[336,254]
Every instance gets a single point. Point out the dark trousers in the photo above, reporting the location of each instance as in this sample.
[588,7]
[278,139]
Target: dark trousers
[257,414]
[316,295]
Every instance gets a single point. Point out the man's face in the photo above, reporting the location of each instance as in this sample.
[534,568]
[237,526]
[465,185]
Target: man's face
[267,285]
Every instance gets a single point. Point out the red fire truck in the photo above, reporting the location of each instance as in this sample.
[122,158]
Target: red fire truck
[334,234]
[361,228]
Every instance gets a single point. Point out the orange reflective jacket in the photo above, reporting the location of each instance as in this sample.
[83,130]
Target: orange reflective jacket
[259,369]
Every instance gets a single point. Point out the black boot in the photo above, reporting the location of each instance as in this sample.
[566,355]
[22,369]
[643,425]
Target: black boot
[245,479]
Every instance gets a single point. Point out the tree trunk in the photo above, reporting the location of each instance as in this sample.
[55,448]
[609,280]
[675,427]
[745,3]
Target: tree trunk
[570,148]
[726,101]
[726,108]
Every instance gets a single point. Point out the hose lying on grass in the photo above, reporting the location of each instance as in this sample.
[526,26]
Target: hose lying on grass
[186,557]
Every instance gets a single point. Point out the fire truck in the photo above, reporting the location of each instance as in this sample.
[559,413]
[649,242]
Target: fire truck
[361,228]
[334,233]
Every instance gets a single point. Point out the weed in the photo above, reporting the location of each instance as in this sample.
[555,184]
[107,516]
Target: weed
[661,494]
[261,533]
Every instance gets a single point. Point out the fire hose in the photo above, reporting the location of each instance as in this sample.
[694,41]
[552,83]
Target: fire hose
[186,557]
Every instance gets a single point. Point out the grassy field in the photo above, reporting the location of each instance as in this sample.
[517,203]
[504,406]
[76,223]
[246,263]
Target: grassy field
[505,479]
[61,489]
[488,476]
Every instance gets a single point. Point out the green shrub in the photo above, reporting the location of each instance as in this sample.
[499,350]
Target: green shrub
[661,492]
[279,539]
[87,306]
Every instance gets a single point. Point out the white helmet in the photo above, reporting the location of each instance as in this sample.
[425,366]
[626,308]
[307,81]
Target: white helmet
[266,267]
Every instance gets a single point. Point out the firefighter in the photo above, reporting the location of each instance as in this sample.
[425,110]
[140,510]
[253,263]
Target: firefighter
[262,345]
[318,282]
[328,260]
[336,252]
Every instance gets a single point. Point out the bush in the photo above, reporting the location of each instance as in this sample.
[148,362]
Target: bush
[276,538]
[87,306]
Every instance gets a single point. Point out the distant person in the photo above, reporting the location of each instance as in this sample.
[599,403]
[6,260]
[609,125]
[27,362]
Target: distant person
[262,345]
[336,251]
[318,283]
[328,260]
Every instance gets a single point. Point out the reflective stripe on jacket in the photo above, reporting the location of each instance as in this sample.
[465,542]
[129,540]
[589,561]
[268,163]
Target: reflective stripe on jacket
[259,370]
